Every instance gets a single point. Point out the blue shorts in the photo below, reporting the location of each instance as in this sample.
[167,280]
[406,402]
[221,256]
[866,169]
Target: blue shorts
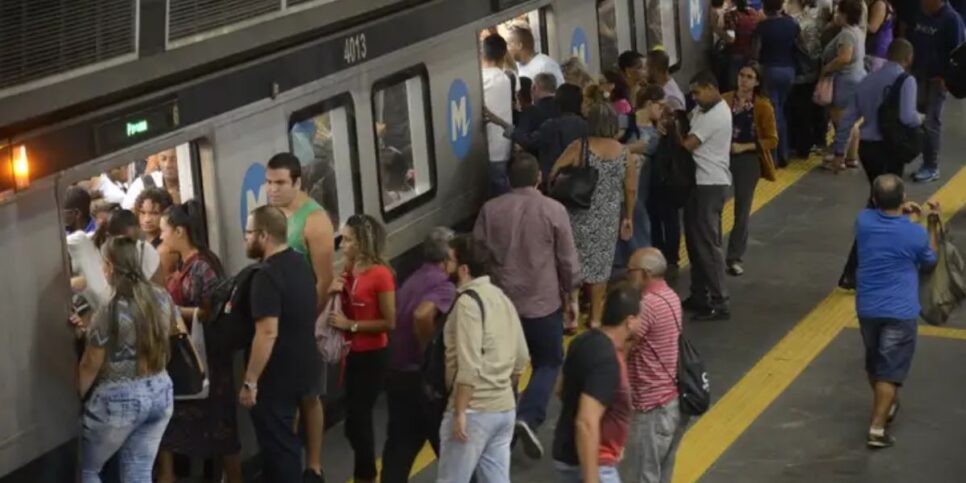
[889,346]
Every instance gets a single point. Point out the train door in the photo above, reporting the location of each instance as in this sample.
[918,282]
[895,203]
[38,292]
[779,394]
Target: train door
[660,27]
[615,31]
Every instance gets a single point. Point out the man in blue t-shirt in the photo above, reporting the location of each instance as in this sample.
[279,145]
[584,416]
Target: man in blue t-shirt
[935,32]
[892,250]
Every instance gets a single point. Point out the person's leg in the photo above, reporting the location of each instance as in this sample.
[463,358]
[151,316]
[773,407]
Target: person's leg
[405,434]
[545,340]
[166,466]
[608,474]
[598,291]
[654,432]
[786,76]
[494,463]
[667,467]
[313,421]
[366,376]
[934,98]
[458,459]
[567,473]
[897,344]
[105,426]
[139,451]
[273,418]
[699,283]
[708,231]
[745,171]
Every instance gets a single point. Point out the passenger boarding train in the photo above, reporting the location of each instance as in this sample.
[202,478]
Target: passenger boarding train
[384,108]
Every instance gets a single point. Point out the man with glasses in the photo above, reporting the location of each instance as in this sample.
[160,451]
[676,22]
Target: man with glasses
[284,363]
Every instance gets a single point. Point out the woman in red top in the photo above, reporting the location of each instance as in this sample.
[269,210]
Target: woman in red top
[368,292]
[203,428]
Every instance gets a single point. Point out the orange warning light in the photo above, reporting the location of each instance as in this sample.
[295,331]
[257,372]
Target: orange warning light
[21,167]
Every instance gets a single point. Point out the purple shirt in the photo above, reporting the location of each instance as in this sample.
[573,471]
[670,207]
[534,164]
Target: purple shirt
[534,259]
[428,284]
[870,94]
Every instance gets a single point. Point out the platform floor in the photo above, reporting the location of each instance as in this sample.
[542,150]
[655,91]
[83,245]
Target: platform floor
[792,403]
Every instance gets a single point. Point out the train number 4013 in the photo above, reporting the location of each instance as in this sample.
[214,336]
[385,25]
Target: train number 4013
[355,49]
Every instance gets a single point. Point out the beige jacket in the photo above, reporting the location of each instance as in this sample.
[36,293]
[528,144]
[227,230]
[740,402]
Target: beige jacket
[485,354]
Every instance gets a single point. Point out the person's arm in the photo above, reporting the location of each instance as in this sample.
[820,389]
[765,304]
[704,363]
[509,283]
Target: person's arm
[565,252]
[386,294]
[767,130]
[424,322]
[587,431]
[630,196]
[908,115]
[266,332]
[89,367]
[843,57]
[319,239]
[569,157]
[691,142]
[877,15]
[469,348]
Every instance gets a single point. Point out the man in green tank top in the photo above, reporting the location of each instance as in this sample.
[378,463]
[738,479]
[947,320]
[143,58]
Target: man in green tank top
[309,233]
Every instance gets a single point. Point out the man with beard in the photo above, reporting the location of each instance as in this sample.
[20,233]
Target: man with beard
[284,362]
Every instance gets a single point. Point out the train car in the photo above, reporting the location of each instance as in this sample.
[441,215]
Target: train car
[383,106]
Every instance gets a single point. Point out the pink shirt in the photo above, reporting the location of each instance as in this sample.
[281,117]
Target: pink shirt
[623,107]
[652,362]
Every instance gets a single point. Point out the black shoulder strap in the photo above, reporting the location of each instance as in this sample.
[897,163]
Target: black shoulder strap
[148,181]
[680,333]
[895,90]
[479,301]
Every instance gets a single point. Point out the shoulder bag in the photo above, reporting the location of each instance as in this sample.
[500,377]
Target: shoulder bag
[574,185]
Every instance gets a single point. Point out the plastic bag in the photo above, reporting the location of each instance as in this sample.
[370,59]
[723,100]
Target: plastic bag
[331,342]
[942,290]
[197,338]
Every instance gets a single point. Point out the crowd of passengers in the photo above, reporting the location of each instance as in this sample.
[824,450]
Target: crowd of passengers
[143,271]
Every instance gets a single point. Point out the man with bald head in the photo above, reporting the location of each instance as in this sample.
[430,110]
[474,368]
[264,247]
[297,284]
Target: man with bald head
[166,178]
[652,363]
[892,250]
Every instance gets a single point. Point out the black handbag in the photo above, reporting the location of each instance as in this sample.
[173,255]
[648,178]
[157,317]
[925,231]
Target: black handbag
[574,185]
[184,367]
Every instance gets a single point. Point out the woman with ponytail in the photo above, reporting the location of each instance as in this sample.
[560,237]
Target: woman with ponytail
[596,229]
[368,290]
[128,394]
[203,428]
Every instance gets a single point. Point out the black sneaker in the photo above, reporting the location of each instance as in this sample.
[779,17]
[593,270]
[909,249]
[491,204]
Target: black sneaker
[524,435]
[846,282]
[309,476]
[878,442]
[893,410]
[712,314]
[695,305]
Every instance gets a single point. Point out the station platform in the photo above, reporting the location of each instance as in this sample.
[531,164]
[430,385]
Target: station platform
[791,400]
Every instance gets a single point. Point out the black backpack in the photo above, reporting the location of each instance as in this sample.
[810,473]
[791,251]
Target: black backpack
[674,168]
[956,72]
[903,142]
[229,313]
[433,369]
[694,387]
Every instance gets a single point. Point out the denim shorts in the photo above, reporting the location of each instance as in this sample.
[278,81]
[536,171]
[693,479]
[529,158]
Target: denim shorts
[889,346]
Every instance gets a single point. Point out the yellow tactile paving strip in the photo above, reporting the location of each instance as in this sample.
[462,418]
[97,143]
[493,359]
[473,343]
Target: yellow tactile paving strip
[737,409]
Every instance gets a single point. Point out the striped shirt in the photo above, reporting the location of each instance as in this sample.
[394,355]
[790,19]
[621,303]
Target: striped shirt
[652,362]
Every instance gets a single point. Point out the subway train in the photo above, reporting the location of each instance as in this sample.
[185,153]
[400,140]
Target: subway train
[383,106]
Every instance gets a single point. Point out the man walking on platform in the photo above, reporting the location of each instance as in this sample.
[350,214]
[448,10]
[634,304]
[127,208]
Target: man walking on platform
[534,261]
[310,233]
[892,250]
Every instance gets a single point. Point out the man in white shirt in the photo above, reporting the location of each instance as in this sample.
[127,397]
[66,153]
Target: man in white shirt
[166,178]
[710,143]
[498,99]
[529,62]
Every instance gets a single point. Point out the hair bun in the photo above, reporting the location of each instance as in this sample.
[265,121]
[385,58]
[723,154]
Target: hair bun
[595,94]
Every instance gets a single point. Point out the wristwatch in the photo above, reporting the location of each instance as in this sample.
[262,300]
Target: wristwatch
[354,328]
[250,386]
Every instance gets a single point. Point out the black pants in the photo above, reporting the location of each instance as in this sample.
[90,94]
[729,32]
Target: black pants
[665,220]
[411,424]
[876,161]
[365,374]
[807,122]
[273,418]
[702,235]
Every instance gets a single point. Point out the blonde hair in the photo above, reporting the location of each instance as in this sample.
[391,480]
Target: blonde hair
[575,72]
[601,117]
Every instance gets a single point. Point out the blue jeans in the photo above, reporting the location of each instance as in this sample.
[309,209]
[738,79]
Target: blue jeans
[499,183]
[779,80]
[127,417]
[486,453]
[571,474]
[932,98]
[889,346]
[545,341]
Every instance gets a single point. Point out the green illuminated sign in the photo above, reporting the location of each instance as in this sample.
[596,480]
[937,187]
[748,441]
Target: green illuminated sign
[137,127]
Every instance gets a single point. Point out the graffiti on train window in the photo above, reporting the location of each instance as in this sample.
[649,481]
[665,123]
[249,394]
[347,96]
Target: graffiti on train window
[607,34]
[401,110]
[323,140]
[663,27]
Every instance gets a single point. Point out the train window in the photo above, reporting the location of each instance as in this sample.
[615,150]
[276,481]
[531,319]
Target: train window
[322,136]
[663,30]
[607,34]
[534,21]
[406,167]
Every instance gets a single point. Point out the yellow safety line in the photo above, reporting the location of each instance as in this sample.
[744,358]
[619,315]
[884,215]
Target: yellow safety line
[731,415]
[765,192]
[928,330]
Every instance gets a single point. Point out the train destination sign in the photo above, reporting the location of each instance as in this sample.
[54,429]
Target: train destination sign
[141,124]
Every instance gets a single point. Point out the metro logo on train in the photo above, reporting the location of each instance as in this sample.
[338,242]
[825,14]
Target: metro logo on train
[578,45]
[460,116]
[253,192]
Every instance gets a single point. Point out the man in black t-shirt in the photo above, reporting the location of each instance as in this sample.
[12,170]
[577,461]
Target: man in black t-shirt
[596,395]
[284,362]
